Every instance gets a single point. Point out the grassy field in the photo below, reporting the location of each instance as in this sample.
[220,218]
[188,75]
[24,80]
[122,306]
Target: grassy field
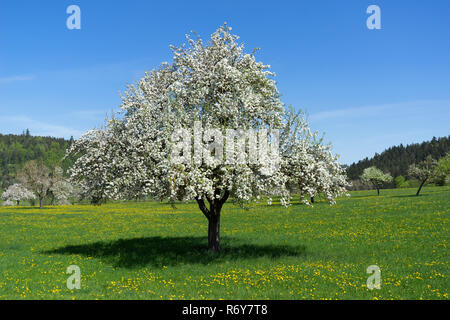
[153,251]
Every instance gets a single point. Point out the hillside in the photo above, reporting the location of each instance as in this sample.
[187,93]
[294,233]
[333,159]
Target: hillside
[15,150]
[396,160]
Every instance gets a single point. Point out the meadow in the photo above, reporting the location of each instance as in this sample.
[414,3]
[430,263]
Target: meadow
[150,250]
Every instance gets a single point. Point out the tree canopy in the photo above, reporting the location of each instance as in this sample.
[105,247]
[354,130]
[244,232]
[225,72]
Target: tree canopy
[376,177]
[17,193]
[167,140]
[425,171]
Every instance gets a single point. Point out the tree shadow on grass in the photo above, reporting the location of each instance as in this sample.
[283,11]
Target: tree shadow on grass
[367,196]
[159,251]
[411,196]
[31,207]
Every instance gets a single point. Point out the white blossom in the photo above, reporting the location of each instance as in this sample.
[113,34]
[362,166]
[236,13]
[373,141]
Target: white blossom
[8,203]
[17,193]
[376,177]
[218,87]
[311,167]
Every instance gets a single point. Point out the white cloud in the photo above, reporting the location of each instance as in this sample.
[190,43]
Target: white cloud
[369,111]
[11,79]
[39,128]
[89,114]
[93,114]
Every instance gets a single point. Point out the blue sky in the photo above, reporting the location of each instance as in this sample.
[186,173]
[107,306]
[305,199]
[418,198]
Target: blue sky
[366,89]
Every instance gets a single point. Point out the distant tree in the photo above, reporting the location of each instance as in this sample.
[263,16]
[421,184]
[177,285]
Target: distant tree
[376,177]
[400,182]
[7,203]
[93,152]
[36,176]
[310,165]
[61,189]
[443,170]
[425,172]
[56,178]
[17,193]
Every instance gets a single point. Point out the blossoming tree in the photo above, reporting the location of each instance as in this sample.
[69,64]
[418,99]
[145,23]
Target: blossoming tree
[36,176]
[376,177]
[310,166]
[425,171]
[17,193]
[215,87]
[61,189]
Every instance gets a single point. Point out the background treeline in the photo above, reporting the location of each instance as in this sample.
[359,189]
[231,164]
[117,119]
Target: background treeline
[396,160]
[16,150]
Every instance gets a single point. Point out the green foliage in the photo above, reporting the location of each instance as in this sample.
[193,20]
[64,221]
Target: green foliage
[16,150]
[376,177]
[443,171]
[424,170]
[149,250]
[397,160]
[400,182]
[413,183]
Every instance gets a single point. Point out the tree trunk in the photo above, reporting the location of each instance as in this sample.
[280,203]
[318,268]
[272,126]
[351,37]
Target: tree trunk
[214,232]
[312,199]
[378,191]
[213,216]
[420,188]
[40,203]
[17,202]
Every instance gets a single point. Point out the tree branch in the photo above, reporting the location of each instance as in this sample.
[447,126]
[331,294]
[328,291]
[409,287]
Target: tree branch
[225,197]
[203,208]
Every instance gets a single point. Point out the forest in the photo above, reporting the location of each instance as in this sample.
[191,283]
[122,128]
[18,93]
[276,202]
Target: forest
[16,150]
[396,160]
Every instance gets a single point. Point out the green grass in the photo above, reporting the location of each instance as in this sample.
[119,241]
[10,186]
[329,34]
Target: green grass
[153,251]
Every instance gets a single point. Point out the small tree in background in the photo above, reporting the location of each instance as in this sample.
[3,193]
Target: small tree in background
[376,177]
[443,170]
[92,172]
[400,182]
[35,176]
[425,172]
[7,203]
[61,189]
[17,193]
[310,166]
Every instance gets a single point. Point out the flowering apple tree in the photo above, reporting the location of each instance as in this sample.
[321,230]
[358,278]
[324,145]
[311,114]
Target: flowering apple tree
[167,142]
[310,166]
[376,177]
[17,193]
